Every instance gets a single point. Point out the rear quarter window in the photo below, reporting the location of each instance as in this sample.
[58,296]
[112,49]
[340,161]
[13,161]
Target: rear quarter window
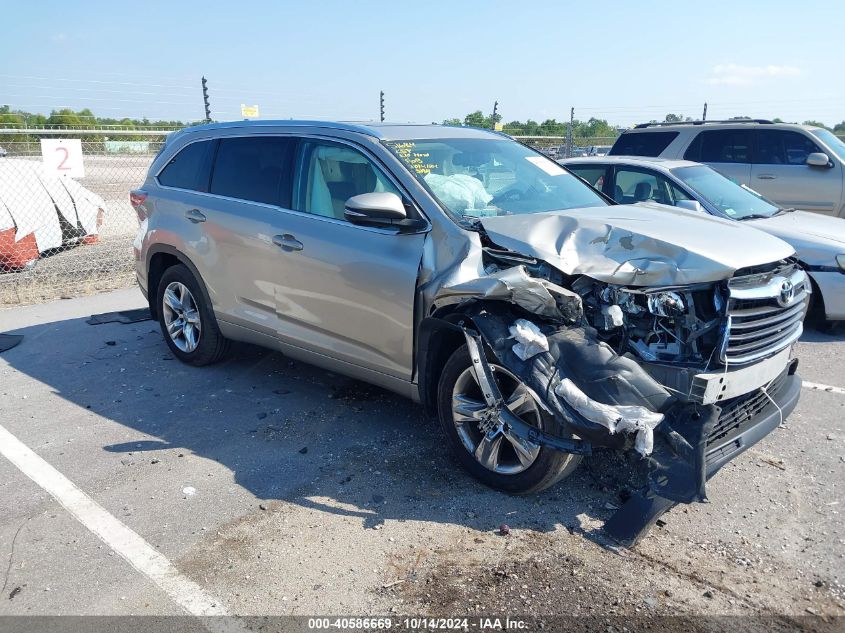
[188,169]
[642,143]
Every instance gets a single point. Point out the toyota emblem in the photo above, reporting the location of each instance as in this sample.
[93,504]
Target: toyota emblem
[787,293]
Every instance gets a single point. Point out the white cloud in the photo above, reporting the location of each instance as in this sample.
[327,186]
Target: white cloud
[739,75]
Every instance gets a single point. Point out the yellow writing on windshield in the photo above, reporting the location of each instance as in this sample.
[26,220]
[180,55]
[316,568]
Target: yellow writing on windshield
[418,161]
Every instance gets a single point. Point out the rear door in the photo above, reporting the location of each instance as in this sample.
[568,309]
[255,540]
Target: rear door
[249,184]
[343,290]
[780,172]
[727,151]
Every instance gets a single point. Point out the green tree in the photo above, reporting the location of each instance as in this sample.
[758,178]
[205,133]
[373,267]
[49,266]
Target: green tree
[475,119]
[816,124]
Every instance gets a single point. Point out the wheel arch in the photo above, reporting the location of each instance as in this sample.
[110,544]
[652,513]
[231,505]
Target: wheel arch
[439,337]
[160,257]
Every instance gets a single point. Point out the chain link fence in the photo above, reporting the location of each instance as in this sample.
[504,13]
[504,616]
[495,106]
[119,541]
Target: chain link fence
[66,225]
[558,147]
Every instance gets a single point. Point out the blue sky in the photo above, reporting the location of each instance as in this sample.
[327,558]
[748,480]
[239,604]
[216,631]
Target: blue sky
[622,61]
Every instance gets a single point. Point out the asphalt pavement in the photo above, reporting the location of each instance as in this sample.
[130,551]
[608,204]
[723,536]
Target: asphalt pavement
[133,484]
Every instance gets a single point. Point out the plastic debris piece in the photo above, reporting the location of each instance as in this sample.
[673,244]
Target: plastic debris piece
[630,419]
[125,317]
[530,341]
[189,491]
[615,314]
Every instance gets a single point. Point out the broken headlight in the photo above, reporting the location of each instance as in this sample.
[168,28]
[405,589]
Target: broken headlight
[667,304]
[678,325]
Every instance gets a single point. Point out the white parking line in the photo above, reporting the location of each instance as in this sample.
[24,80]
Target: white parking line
[815,386]
[135,550]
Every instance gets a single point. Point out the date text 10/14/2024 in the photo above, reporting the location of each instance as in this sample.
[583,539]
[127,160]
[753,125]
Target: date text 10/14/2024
[418,624]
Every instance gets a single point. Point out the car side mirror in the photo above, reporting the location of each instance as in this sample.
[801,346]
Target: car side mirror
[381,208]
[378,208]
[689,205]
[818,159]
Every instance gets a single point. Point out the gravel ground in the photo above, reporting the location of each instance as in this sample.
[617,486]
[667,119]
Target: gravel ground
[315,494]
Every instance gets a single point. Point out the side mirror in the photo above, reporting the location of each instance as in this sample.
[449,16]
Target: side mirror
[689,205]
[375,209]
[818,159]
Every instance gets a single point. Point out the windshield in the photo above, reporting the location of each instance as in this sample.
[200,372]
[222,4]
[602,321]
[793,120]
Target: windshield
[832,141]
[473,178]
[735,201]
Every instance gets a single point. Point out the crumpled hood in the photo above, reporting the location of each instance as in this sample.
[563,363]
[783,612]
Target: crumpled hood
[817,238]
[637,245]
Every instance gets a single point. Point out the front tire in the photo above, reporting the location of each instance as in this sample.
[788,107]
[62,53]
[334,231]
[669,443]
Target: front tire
[497,459]
[187,321]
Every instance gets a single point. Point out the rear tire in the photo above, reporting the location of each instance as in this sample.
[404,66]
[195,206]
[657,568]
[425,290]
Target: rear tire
[514,469]
[187,321]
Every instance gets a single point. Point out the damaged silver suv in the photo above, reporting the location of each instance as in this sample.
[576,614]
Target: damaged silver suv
[539,320]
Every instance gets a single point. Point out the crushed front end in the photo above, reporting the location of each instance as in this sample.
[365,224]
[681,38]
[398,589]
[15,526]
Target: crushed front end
[684,377]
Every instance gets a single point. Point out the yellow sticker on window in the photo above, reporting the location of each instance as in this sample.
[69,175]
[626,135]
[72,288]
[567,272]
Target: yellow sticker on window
[420,162]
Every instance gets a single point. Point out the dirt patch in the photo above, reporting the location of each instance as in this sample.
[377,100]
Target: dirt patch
[531,575]
[76,271]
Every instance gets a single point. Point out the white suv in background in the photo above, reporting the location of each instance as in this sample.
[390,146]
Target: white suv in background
[796,166]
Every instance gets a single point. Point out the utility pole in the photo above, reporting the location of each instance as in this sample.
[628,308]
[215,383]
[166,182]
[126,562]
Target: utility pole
[205,100]
[569,133]
[704,116]
[381,104]
[495,112]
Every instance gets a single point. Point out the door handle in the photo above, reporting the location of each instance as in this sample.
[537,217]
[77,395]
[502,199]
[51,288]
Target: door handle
[195,216]
[287,242]
[767,177]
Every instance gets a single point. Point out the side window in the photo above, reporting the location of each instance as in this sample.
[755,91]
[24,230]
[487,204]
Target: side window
[642,143]
[721,146]
[254,168]
[188,169]
[593,175]
[328,174]
[782,147]
[638,186]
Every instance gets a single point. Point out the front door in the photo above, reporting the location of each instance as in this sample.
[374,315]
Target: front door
[343,290]
[780,172]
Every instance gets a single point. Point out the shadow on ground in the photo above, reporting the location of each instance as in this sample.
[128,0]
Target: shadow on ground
[293,432]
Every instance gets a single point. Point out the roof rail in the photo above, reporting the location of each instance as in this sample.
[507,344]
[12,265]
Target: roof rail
[643,125]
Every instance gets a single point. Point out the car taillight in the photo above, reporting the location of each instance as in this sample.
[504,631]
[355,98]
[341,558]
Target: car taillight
[137,199]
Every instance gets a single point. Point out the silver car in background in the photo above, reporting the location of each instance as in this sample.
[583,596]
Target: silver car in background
[819,241]
[795,166]
[533,316]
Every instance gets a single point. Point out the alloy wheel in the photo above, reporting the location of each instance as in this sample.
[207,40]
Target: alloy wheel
[181,316]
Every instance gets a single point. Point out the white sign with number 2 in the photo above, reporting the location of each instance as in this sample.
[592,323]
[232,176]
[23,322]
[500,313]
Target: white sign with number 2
[63,156]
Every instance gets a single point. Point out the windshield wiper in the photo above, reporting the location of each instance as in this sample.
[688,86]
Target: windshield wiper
[785,210]
[755,216]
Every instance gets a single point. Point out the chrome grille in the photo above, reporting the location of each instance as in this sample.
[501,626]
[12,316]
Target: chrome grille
[765,313]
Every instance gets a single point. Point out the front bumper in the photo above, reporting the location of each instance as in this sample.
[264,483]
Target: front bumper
[738,425]
[755,418]
[832,289]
